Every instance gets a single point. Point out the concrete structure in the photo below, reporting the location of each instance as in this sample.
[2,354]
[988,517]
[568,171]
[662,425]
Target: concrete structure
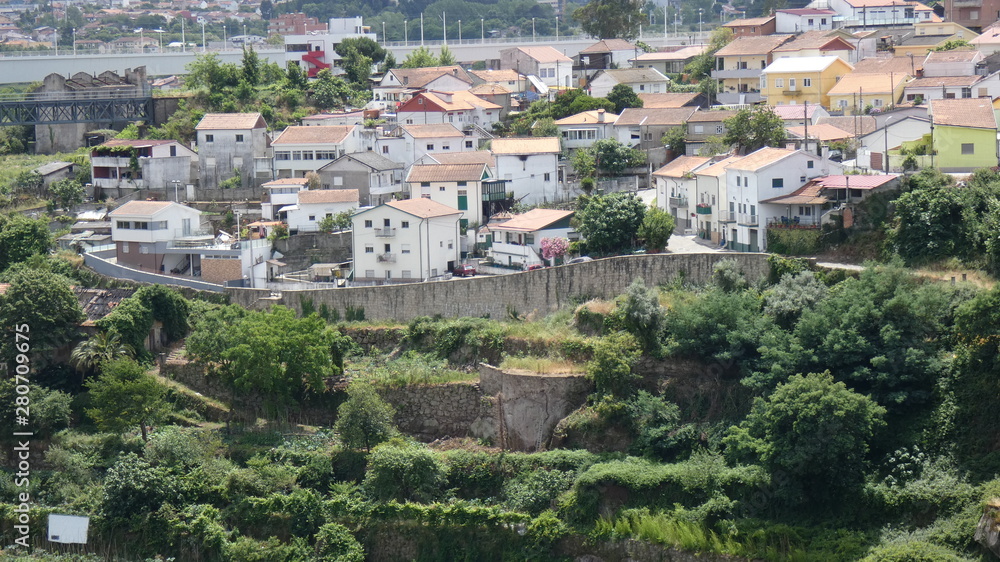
[799,20]
[300,150]
[976,14]
[460,108]
[294,24]
[157,237]
[923,90]
[603,55]
[405,242]
[229,142]
[640,80]
[858,93]
[797,115]
[888,137]
[796,80]
[584,129]
[964,134]
[882,13]
[510,79]
[408,143]
[643,128]
[668,62]
[466,187]
[121,166]
[675,188]
[703,127]
[752,27]
[280,193]
[55,171]
[552,68]
[818,44]
[531,165]
[312,206]
[377,179]
[710,197]
[517,241]
[315,51]
[739,64]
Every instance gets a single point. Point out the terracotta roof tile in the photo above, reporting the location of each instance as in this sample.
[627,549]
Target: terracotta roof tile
[799,111]
[635,75]
[608,45]
[938,81]
[587,118]
[668,101]
[808,194]
[752,45]
[532,145]
[432,131]
[854,124]
[313,135]
[761,158]
[423,208]
[711,116]
[815,40]
[645,116]
[420,77]
[284,182]
[824,132]
[143,208]
[749,22]
[542,54]
[237,121]
[854,83]
[886,65]
[446,172]
[532,221]
[681,166]
[470,157]
[317,196]
[952,56]
[719,168]
[680,54]
[970,112]
[504,75]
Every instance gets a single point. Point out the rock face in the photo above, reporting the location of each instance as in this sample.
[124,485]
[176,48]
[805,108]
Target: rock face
[527,406]
[988,530]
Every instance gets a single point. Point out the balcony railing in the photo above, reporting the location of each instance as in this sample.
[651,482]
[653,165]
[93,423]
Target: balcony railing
[793,222]
[747,219]
[728,216]
[703,209]
[385,232]
[386,258]
[679,202]
[736,73]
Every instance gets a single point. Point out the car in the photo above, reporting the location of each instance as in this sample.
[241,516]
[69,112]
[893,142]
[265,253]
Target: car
[464,270]
[581,259]
[535,266]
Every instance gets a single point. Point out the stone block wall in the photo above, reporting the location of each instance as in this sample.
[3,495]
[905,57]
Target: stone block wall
[542,291]
[430,412]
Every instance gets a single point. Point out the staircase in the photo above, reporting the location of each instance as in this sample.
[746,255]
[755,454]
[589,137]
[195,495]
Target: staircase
[314,59]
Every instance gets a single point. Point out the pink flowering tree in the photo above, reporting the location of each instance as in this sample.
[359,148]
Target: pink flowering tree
[554,248]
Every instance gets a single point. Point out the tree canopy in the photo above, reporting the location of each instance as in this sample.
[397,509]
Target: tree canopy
[611,19]
[624,97]
[364,420]
[610,223]
[755,128]
[44,302]
[124,396]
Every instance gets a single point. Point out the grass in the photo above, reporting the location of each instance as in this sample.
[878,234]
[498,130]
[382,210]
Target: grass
[411,368]
[543,365]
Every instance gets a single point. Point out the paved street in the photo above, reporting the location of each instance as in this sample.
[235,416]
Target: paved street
[691,244]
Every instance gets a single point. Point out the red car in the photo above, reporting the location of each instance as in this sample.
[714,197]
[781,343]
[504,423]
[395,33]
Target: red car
[535,266]
[464,270]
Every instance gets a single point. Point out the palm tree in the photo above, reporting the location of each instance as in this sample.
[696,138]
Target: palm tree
[88,355]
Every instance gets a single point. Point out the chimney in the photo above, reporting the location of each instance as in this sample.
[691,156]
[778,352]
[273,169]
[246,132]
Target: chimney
[600,115]
[406,80]
[454,71]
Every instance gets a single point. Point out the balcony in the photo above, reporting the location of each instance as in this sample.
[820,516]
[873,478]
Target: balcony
[793,223]
[386,258]
[679,202]
[750,73]
[727,216]
[967,3]
[746,219]
[795,92]
[703,209]
[385,232]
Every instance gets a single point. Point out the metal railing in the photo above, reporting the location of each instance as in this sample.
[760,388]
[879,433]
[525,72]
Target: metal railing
[385,232]
[746,219]
[386,258]
[679,202]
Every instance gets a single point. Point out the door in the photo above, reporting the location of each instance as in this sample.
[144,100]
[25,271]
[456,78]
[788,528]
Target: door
[753,241]
[185,227]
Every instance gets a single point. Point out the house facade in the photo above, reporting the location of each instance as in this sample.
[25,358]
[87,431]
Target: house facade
[586,128]
[964,134]
[640,80]
[675,188]
[530,166]
[702,126]
[552,68]
[738,67]
[121,164]
[228,142]
[466,187]
[313,205]
[299,150]
[796,80]
[799,20]
[405,242]
[377,179]
[710,194]
[643,128]
[517,241]
[668,62]
[400,84]
[860,93]
[280,193]
[408,143]
[461,108]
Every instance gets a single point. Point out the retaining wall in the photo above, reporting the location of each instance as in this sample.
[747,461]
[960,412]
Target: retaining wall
[541,290]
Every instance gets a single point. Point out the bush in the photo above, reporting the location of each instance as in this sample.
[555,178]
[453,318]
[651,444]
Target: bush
[536,491]
[364,420]
[643,316]
[335,543]
[912,552]
[404,472]
[611,368]
[794,241]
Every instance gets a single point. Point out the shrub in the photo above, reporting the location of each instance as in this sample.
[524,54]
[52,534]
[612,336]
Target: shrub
[536,491]
[917,551]
[364,420]
[611,368]
[643,316]
[335,543]
[404,472]
[727,275]
[794,241]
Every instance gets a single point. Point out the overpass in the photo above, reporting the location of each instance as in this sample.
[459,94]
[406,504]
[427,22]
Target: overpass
[75,107]
[28,67]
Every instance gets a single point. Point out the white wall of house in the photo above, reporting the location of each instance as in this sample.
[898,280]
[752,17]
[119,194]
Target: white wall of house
[898,132]
[710,190]
[279,197]
[295,160]
[582,136]
[601,86]
[514,248]
[306,217]
[168,224]
[455,194]
[482,117]
[221,151]
[533,178]
[406,248]
[795,23]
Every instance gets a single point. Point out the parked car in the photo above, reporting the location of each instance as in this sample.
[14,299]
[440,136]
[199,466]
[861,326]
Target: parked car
[535,266]
[581,259]
[464,270]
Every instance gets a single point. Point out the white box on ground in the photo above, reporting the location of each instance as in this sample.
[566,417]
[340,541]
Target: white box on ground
[68,529]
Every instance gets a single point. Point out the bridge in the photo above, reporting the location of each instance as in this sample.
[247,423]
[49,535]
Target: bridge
[82,107]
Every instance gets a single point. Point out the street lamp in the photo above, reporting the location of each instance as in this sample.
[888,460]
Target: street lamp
[459,32]
[74,41]
[532,30]
[204,45]
[699,23]
[142,47]
[176,183]
[885,135]
[383,32]
[482,28]
[406,32]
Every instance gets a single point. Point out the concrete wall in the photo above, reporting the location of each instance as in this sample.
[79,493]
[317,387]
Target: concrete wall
[302,250]
[98,261]
[542,290]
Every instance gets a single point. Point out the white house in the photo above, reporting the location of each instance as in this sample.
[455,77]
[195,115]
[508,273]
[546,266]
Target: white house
[400,84]
[281,192]
[641,80]
[233,141]
[552,68]
[531,165]
[158,165]
[405,241]
[169,238]
[299,150]
[764,174]
[890,136]
[675,188]
[459,186]
[377,178]
[798,20]
[510,79]
[315,51]
[518,241]
[710,188]
[881,13]
[462,108]
[951,63]
[583,129]
[313,205]
[408,143]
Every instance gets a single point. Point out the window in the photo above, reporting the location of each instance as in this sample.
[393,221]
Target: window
[451,244]
[325,155]
[779,82]
[369,273]
[842,104]
[405,224]
[312,217]
[388,248]
[284,155]
[406,274]
[719,129]
[209,138]
[822,21]
[642,87]
[445,147]
[368,224]
[763,82]
[810,164]
[425,184]
[404,248]
[239,138]
[173,151]
[699,128]
[877,102]
[386,223]
[296,155]
[547,177]
[385,150]
[966,92]
[468,144]
[124,224]
[737,181]
[807,82]
[811,21]
[791,83]
[529,239]
[778,182]
[462,183]
[140,225]
[430,147]
[441,188]
[338,181]
[369,249]
[968,148]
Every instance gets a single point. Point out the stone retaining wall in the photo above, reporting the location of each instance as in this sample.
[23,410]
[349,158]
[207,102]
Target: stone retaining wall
[542,290]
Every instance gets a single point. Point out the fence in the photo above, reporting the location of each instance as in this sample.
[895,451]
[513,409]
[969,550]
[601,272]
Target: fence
[101,263]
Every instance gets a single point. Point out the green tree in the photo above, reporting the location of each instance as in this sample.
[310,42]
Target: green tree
[674,139]
[404,472]
[21,238]
[27,182]
[125,396]
[420,58]
[611,19]
[327,224]
[583,163]
[701,66]
[130,132]
[364,420]
[953,44]
[67,193]
[330,91]
[624,97]
[545,127]
[335,543]
[753,129]
[611,367]
[813,435]
[208,71]
[610,223]
[295,78]
[251,66]
[446,58]
[643,316]
[656,228]
[928,221]
[42,302]
[90,354]
[613,157]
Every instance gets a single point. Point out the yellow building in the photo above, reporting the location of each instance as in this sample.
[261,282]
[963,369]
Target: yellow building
[739,64]
[797,80]
[856,91]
